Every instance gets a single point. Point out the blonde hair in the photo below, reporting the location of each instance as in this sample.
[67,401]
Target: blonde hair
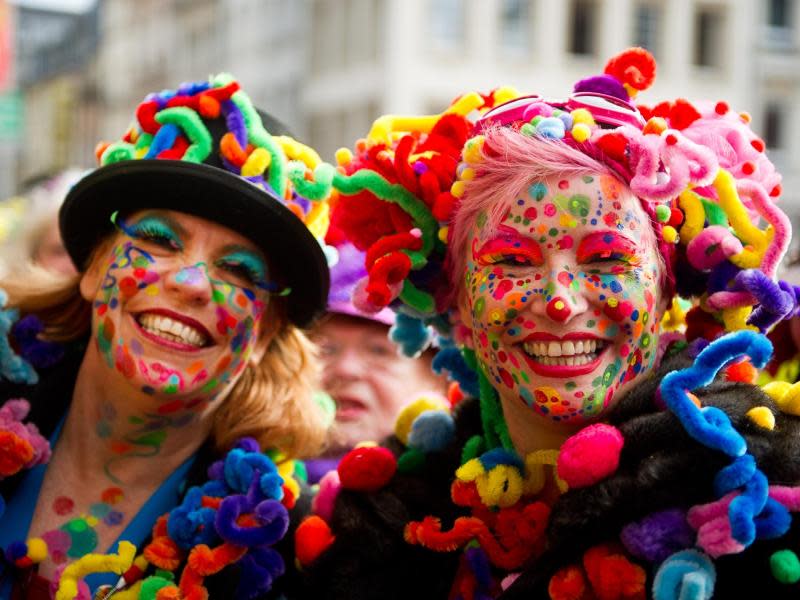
[273,400]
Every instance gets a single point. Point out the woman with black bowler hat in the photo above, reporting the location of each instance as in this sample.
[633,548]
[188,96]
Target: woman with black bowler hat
[168,364]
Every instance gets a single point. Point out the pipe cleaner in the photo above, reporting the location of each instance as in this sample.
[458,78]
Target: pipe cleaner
[686,575]
[13,367]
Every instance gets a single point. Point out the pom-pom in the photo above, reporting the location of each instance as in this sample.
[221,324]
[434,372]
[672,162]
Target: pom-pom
[408,415]
[762,416]
[590,455]
[367,469]
[432,430]
[580,132]
[312,537]
[658,535]
[785,566]
[663,213]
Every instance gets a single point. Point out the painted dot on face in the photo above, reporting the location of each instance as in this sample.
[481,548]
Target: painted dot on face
[537,191]
[549,209]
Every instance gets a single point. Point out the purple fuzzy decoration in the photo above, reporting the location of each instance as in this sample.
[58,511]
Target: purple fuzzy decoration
[721,276]
[230,166]
[248,444]
[217,470]
[260,567]
[39,353]
[696,347]
[346,273]
[658,535]
[272,516]
[235,121]
[602,84]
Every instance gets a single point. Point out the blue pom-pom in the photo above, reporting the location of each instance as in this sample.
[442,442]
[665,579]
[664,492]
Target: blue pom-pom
[551,127]
[411,334]
[686,575]
[431,431]
[452,361]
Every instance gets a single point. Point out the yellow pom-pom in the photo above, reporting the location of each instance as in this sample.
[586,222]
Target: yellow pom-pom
[789,402]
[366,444]
[472,149]
[343,156]
[581,132]
[582,116]
[745,116]
[655,125]
[443,234]
[37,549]
[468,174]
[669,234]
[458,188]
[762,416]
[777,389]
[408,415]
[256,163]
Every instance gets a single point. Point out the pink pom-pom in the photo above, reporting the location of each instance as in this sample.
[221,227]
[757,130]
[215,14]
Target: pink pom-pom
[590,455]
[323,502]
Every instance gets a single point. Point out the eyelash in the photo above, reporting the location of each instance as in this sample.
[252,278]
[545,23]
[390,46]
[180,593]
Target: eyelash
[242,269]
[157,233]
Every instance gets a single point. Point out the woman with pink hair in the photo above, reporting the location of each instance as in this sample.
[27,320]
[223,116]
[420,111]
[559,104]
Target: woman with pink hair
[612,444]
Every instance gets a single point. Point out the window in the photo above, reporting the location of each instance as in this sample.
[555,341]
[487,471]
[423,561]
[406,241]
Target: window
[708,37]
[779,13]
[774,124]
[447,22]
[583,27]
[646,26]
[515,25]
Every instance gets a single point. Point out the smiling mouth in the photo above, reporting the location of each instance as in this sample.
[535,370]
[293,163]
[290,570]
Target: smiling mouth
[564,357]
[172,332]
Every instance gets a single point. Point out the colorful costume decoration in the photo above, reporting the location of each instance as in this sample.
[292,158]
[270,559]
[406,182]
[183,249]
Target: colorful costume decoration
[702,176]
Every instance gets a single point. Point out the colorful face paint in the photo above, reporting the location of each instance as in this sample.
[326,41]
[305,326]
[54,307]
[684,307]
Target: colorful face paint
[563,296]
[175,328]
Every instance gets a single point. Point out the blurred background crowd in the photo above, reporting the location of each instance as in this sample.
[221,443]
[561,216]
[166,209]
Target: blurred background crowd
[70,70]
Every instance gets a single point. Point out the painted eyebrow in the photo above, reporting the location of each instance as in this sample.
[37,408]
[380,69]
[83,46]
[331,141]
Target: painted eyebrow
[607,244]
[508,241]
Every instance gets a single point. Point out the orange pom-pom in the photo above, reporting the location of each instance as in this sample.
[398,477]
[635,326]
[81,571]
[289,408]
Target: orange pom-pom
[367,469]
[311,539]
[568,583]
[15,453]
[169,592]
[635,67]
[454,394]
[99,149]
[742,371]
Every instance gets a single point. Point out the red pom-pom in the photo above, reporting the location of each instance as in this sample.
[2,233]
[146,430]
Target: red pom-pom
[590,455]
[367,469]
[675,217]
[743,371]
[612,576]
[748,168]
[568,583]
[671,139]
[721,108]
[682,114]
[614,145]
[776,191]
[311,539]
[758,145]
[635,67]
[454,394]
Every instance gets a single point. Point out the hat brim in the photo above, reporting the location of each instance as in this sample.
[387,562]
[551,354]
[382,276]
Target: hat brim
[210,193]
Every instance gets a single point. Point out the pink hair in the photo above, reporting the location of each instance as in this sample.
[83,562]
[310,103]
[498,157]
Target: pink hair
[512,162]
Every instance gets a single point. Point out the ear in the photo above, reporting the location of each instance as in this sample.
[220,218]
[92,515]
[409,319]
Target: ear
[92,278]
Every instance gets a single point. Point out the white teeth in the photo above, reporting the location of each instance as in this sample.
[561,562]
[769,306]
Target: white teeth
[570,352]
[172,330]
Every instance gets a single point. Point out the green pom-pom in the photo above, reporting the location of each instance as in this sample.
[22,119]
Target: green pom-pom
[411,461]
[528,130]
[785,566]
[472,449]
[663,213]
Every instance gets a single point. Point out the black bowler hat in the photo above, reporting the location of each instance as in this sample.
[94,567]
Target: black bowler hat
[203,149]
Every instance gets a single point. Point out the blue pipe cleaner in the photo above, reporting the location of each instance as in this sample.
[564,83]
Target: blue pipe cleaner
[234,119]
[751,514]
[163,140]
[686,575]
[711,426]
[13,368]
[411,334]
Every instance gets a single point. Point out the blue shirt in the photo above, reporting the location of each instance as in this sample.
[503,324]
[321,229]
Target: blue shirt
[16,521]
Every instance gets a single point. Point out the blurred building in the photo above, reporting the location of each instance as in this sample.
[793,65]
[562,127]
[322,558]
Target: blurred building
[329,67]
